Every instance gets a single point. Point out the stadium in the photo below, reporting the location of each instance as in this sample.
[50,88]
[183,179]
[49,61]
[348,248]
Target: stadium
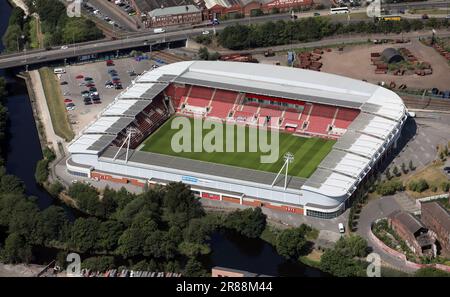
[334,131]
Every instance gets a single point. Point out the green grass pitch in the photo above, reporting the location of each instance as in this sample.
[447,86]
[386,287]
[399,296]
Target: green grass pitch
[308,152]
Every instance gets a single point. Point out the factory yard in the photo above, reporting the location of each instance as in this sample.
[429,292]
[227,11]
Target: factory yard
[354,61]
[81,115]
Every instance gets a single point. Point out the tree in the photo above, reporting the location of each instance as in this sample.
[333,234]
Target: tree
[55,188]
[109,233]
[41,174]
[181,205]
[51,225]
[404,169]
[17,249]
[395,171]
[250,222]
[352,246]
[334,262]
[388,173]
[84,234]
[203,53]
[194,268]
[291,243]
[100,264]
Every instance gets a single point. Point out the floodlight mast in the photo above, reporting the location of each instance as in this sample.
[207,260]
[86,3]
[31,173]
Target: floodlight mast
[127,141]
[288,158]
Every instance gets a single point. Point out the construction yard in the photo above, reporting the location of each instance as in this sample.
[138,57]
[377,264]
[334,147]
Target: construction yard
[354,61]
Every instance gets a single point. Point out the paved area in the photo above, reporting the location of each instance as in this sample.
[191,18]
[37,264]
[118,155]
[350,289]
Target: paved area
[84,114]
[406,203]
[284,218]
[327,239]
[344,63]
[20,270]
[421,136]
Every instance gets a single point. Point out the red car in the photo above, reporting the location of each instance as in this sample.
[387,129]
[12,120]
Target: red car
[90,85]
[67,100]
[109,63]
[79,76]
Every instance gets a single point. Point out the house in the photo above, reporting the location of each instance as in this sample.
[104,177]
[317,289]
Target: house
[413,232]
[437,219]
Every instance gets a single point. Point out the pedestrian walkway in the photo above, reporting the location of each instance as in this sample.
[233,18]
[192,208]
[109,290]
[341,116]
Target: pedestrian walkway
[406,203]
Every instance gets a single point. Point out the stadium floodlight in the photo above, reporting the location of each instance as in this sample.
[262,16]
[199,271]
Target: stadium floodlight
[127,141]
[288,158]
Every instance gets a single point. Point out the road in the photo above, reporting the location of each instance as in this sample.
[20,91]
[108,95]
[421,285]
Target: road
[374,210]
[115,13]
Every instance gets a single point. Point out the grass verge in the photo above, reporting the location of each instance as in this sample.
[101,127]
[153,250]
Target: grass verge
[55,103]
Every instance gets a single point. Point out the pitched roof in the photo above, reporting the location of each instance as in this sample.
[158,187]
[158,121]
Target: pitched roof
[439,213]
[408,220]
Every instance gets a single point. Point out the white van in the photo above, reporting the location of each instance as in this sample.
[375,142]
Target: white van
[59,71]
[341,228]
[158,30]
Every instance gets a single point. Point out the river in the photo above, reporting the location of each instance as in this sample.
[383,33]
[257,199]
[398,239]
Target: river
[228,249]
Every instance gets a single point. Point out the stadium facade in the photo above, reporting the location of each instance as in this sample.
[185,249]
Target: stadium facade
[365,120]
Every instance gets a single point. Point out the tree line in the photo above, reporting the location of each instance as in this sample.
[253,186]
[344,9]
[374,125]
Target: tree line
[56,26]
[239,37]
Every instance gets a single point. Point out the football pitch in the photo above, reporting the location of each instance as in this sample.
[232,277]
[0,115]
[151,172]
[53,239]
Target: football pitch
[308,152]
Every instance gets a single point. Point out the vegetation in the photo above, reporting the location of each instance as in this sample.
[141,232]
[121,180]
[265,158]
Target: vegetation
[291,243]
[16,37]
[418,186]
[250,222]
[204,54]
[304,164]
[58,28]
[389,187]
[42,170]
[55,102]
[238,37]
[431,272]
[344,259]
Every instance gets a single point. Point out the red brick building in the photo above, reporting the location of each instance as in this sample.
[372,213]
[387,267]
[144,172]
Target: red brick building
[437,219]
[413,232]
[175,15]
[220,8]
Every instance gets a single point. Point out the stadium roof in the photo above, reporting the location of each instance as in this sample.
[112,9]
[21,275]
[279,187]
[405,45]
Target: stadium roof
[382,112]
[109,125]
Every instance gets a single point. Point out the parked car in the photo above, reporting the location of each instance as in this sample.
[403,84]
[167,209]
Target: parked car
[92,89]
[70,104]
[341,228]
[79,76]
[109,63]
[63,83]
[84,92]
[64,47]
[90,85]
[67,100]
[87,78]
[206,32]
